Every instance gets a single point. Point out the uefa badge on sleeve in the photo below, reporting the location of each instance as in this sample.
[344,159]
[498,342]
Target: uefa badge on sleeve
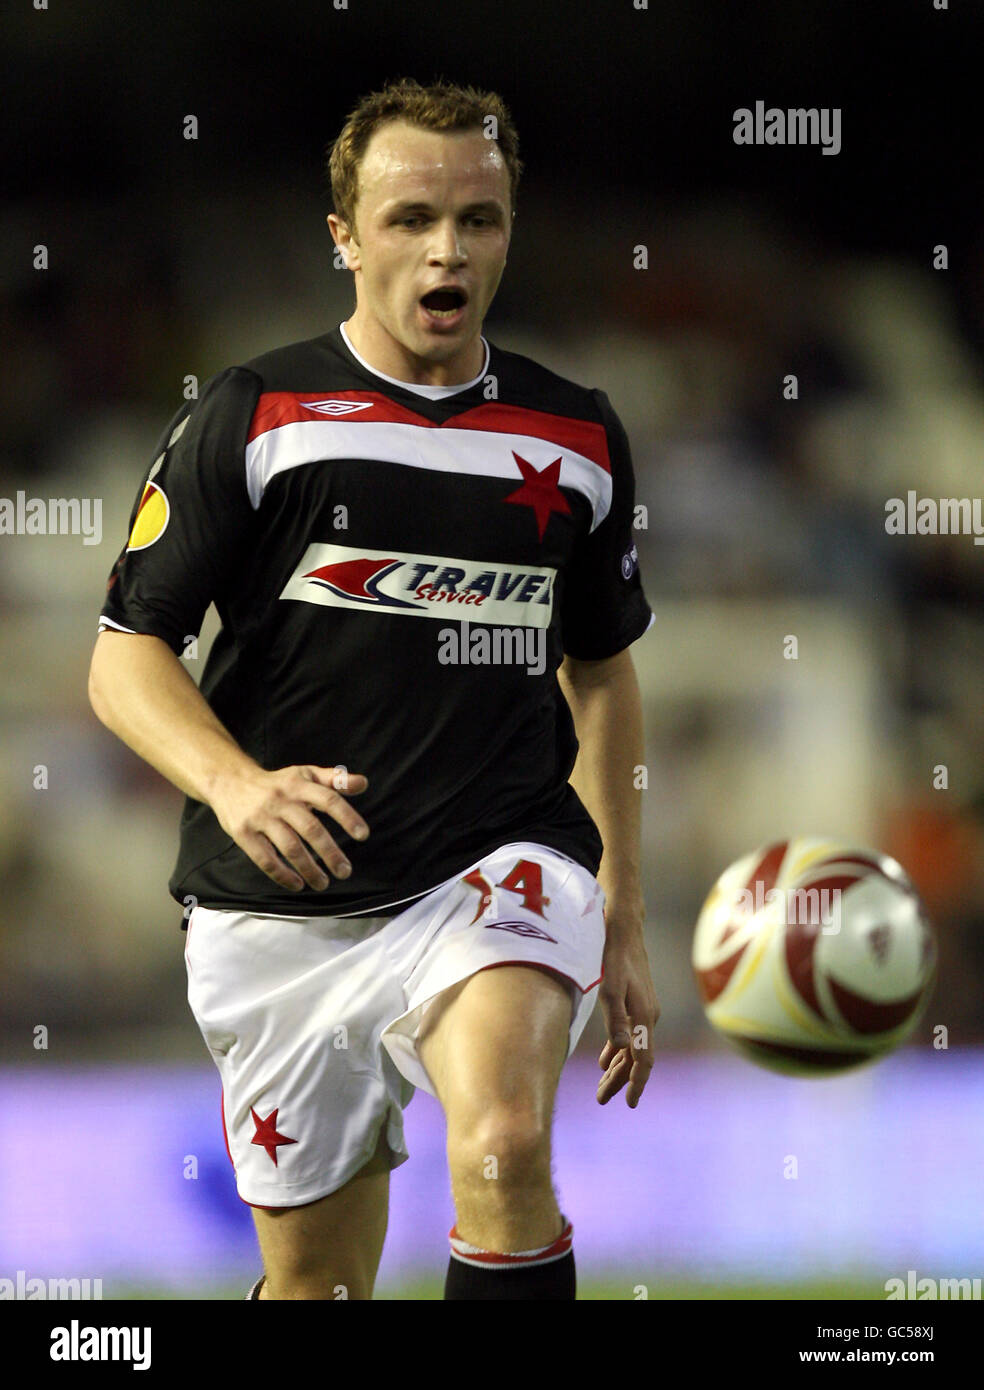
[152,517]
[630,562]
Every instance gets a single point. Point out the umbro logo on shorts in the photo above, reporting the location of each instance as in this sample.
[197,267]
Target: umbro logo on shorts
[522,929]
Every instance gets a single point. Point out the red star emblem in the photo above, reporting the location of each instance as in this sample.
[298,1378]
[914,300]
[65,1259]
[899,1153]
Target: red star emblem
[539,491]
[266,1133]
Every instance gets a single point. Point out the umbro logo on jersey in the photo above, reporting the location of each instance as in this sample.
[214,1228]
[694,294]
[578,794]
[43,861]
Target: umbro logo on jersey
[337,407]
[424,586]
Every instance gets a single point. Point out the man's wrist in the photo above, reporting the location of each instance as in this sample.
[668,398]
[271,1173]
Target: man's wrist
[220,779]
[624,917]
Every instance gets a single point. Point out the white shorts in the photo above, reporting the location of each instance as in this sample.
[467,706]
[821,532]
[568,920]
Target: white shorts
[312,1021]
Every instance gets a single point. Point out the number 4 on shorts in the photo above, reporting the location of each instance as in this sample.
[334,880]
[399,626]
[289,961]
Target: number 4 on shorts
[524,878]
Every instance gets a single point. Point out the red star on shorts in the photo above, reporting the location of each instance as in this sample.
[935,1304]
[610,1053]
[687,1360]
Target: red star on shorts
[266,1133]
[540,491]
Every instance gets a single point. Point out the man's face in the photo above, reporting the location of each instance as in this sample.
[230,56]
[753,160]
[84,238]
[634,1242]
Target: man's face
[433,210]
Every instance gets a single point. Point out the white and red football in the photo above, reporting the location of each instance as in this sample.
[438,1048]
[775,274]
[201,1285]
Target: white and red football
[813,957]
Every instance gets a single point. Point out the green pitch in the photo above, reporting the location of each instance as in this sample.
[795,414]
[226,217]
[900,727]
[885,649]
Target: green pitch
[854,1287]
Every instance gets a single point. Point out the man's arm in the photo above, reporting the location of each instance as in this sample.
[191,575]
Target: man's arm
[607,710]
[139,689]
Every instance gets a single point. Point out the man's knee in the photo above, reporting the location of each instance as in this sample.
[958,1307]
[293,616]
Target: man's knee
[508,1147]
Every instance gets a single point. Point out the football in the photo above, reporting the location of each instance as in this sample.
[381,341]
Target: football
[813,957]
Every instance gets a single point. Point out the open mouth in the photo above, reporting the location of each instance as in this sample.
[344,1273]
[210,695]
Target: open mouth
[444,304]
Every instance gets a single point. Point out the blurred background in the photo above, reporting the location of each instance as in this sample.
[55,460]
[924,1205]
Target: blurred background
[765,517]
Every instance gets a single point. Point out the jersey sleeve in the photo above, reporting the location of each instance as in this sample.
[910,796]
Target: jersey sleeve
[192,523]
[604,608]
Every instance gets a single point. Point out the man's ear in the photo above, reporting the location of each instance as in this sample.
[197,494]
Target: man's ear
[344,239]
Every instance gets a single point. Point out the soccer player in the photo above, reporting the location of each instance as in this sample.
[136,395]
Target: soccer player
[420,548]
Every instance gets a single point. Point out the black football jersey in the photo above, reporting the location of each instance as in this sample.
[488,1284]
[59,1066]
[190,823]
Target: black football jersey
[398,577]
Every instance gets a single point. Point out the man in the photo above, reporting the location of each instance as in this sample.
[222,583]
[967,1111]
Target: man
[409,534]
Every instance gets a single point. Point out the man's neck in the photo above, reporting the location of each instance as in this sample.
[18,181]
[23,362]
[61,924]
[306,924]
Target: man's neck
[383,353]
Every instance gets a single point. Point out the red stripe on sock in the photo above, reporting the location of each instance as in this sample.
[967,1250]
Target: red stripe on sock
[492,1259]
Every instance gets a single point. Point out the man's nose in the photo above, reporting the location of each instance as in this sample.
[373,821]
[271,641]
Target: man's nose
[446,246]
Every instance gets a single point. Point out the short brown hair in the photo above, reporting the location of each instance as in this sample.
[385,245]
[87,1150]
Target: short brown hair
[441,106]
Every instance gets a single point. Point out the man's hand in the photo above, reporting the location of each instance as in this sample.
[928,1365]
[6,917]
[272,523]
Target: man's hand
[270,815]
[631,1010]
[139,686]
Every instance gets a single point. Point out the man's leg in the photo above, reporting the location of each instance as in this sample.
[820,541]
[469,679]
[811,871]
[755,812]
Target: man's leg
[329,1249]
[494,1046]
